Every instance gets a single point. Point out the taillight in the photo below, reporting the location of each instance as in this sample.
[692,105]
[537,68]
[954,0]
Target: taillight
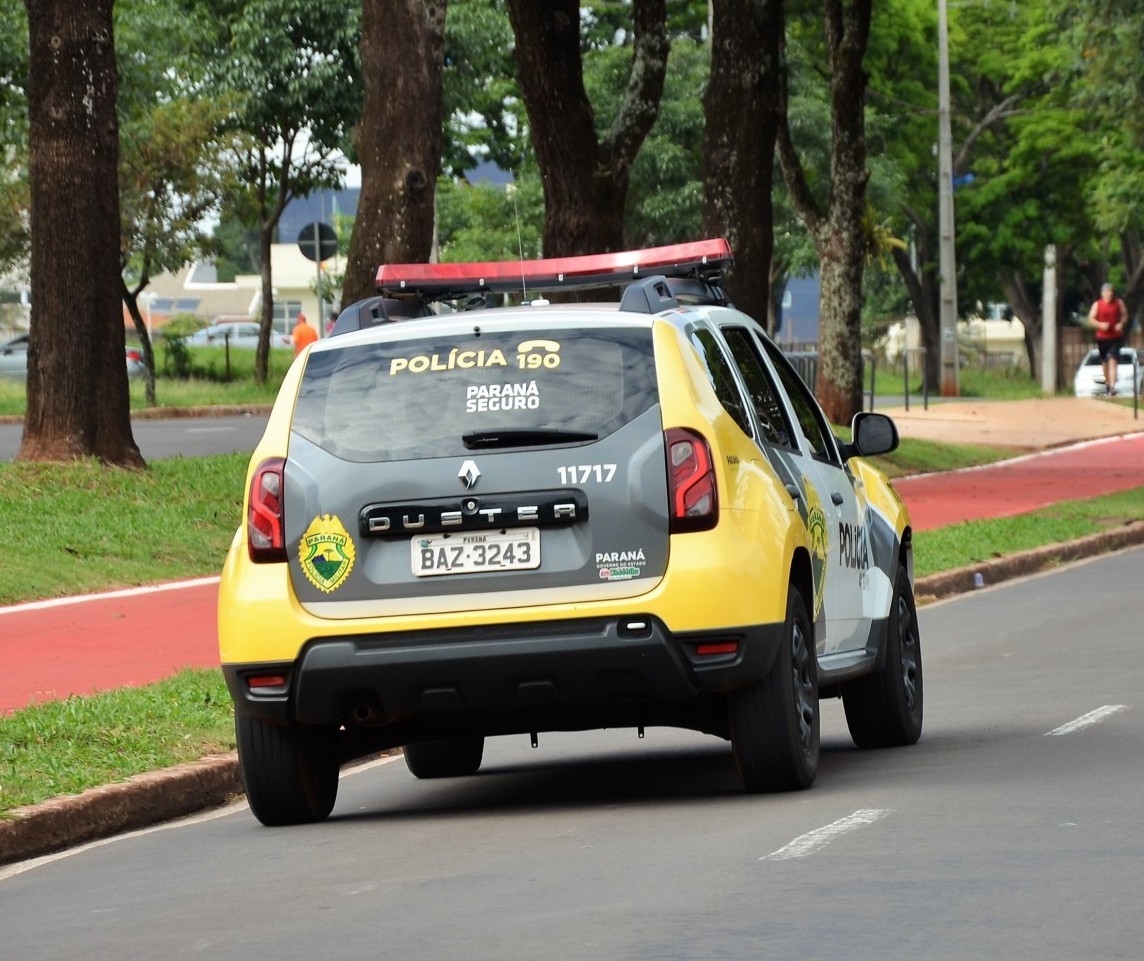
[692,495]
[265,540]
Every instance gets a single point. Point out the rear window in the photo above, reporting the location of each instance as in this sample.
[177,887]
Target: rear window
[418,398]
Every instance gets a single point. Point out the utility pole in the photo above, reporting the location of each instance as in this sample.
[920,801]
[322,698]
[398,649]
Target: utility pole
[1049,323]
[947,260]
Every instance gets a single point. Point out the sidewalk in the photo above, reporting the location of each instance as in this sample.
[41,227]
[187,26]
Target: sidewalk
[1026,425]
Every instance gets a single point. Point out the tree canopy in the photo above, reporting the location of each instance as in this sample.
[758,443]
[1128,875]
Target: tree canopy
[627,122]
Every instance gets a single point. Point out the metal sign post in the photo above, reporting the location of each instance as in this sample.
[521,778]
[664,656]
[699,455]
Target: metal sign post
[318,242]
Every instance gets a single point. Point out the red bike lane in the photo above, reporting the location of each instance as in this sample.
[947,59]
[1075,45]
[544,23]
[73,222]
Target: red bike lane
[1024,484]
[50,650]
[80,645]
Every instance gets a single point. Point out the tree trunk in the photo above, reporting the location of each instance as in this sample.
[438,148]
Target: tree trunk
[562,125]
[585,180]
[1026,310]
[839,235]
[1132,259]
[78,401]
[266,320]
[131,299]
[839,386]
[925,292]
[743,110]
[399,140]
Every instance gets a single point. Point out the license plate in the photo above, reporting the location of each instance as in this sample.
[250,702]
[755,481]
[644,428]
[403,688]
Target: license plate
[473,552]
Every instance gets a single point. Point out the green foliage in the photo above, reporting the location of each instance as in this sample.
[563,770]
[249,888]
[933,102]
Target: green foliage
[1106,38]
[295,65]
[177,355]
[486,119]
[292,77]
[236,247]
[484,114]
[884,300]
[13,77]
[14,195]
[487,222]
[665,196]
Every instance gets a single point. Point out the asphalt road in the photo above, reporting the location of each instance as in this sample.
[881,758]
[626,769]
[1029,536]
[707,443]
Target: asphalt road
[1005,833]
[185,436]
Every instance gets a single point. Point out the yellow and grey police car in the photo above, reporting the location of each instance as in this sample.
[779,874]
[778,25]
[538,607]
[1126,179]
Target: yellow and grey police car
[468,520]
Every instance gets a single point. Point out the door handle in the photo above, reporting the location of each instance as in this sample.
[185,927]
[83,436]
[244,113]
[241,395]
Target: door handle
[837,498]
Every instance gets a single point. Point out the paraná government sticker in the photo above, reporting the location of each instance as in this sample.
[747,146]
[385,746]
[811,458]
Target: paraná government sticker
[327,553]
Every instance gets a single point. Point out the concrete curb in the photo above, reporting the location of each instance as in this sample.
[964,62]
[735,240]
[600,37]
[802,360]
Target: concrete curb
[149,799]
[998,569]
[101,812]
[175,413]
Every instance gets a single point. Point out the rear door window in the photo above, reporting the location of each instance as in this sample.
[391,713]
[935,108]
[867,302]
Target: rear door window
[810,418]
[443,396]
[722,379]
[768,407]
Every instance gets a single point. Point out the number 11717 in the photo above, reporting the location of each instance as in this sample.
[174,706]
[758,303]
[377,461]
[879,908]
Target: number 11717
[583,473]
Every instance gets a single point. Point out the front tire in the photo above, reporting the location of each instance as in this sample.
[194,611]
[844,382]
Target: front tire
[775,721]
[885,708]
[455,757]
[290,772]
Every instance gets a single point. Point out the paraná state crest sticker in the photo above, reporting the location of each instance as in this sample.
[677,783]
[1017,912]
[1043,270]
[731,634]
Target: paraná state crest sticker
[327,553]
[816,527]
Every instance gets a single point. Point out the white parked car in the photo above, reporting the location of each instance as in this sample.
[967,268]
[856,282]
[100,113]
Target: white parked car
[1089,379]
[237,334]
[14,359]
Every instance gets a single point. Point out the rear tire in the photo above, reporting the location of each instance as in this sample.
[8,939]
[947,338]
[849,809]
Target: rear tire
[885,708]
[775,721]
[290,772]
[455,757]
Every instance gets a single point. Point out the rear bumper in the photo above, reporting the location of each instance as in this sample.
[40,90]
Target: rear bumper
[504,678]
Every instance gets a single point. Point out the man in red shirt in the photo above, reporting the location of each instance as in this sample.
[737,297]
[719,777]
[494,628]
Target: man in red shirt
[304,334]
[1109,316]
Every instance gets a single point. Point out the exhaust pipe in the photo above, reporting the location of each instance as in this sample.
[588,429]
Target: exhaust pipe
[366,713]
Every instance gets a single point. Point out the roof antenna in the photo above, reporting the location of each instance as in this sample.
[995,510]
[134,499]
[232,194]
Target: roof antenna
[510,189]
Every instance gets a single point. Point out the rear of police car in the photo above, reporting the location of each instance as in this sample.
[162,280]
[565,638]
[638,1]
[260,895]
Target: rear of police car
[461,525]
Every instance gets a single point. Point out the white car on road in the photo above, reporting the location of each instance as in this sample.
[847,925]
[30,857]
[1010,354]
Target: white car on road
[1089,379]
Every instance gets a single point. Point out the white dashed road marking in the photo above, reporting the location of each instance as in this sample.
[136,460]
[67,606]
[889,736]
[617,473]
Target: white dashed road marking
[808,844]
[1092,717]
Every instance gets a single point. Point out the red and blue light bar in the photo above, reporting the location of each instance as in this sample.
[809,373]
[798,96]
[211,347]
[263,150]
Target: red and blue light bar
[593,270]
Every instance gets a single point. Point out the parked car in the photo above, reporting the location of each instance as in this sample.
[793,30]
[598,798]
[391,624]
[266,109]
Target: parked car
[236,334]
[1089,380]
[14,359]
[506,521]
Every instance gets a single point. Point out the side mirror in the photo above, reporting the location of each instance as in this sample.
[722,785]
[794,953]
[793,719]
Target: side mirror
[871,434]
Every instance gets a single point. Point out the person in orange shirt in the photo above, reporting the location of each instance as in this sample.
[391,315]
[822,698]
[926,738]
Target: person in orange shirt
[304,334]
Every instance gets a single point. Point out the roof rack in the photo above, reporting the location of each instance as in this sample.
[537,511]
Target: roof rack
[703,260]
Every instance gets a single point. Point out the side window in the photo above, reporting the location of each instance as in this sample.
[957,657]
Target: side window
[722,379]
[806,409]
[768,408]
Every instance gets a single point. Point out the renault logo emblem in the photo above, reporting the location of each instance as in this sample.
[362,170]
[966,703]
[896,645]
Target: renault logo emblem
[469,474]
